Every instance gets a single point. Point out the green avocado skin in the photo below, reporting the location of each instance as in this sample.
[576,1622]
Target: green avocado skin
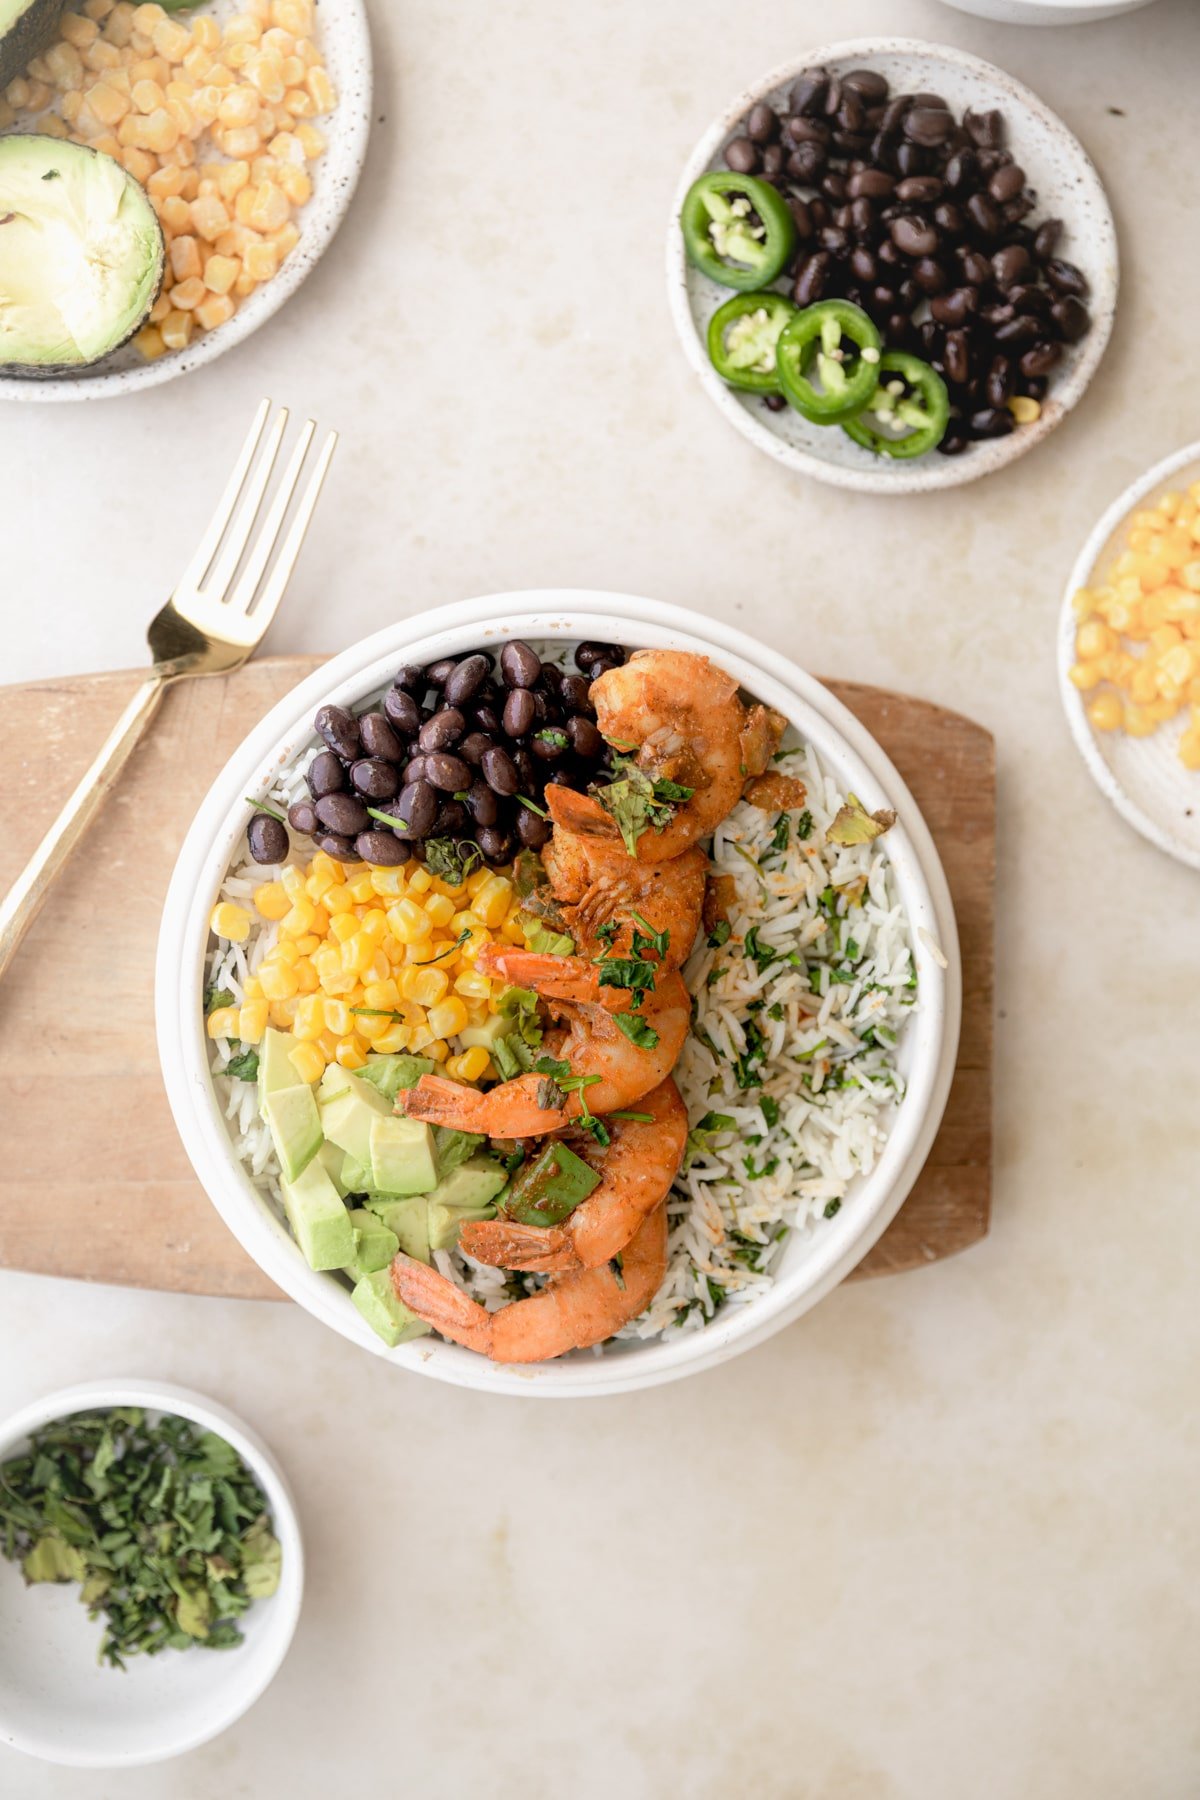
[33,30]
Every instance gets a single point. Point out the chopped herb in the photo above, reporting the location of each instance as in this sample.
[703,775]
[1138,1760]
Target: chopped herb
[626,972]
[258,805]
[448,949]
[553,1066]
[833,1209]
[557,740]
[769,1107]
[606,933]
[637,1031]
[719,934]
[636,1118]
[855,825]
[388,819]
[635,801]
[243,1066]
[779,841]
[709,1304]
[804,825]
[512,1162]
[760,954]
[524,800]
[755,1174]
[452,860]
[215,998]
[659,941]
[851,950]
[745,1066]
[162,1524]
[528,873]
[776,1011]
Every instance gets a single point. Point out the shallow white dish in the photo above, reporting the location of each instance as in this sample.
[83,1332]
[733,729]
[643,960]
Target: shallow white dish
[810,1268]
[1143,777]
[1068,187]
[345,42]
[1047,12]
[56,1702]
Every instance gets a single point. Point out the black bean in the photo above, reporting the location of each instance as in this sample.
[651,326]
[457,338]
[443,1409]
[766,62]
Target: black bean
[924,99]
[772,162]
[1072,318]
[762,125]
[950,218]
[954,439]
[1065,278]
[1046,239]
[813,278]
[413,770]
[836,241]
[495,845]
[499,771]
[473,746]
[1027,299]
[375,778]
[888,254]
[741,156]
[802,216]
[449,773]
[928,125]
[985,129]
[870,184]
[573,690]
[851,114]
[302,816]
[482,804]
[589,655]
[442,730]
[337,845]
[955,307]
[1035,386]
[383,848]
[418,806]
[798,131]
[549,743]
[1002,313]
[1013,211]
[342,813]
[1041,359]
[585,739]
[805,163]
[1018,333]
[532,831]
[957,356]
[863,265]
[463,681]
[1001,382]
[378,738]
[527,773]
[439,673]
[1006,183]
[808,91]
[451,820]
[267,839]
[895,111]
[914,235]
[961,173]
[868,84]
[403,710]
[984,216]
[833,186]
[819,213]
[486,718]
[339,728]
[833,95]
[992,421]
[929,275]
[910,159]
[919,190]
[976,269]
[413,680]
[325,774]
[1010,265]
[520,711]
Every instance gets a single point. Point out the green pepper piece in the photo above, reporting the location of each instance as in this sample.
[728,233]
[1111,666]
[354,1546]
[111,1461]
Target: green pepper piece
[839,343]
[549,1188]
[737,229]
[742,336]
[921,403]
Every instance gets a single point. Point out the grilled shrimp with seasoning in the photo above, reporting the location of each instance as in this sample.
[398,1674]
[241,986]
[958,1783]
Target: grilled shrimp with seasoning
[594,882]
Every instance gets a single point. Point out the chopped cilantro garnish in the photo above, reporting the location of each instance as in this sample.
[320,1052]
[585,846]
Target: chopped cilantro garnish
[769,1107]
[637,1031]
[243,1066]
[215,998]
[719,934]
[804,824]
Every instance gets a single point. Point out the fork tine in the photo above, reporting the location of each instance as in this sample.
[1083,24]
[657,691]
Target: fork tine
[252,574]
[225,567]
[273,592]
[206,549]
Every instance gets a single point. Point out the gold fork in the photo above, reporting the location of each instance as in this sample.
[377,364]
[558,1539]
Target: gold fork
[209,626]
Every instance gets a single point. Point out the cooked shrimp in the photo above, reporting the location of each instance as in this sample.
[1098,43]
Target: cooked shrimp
[569,1313]
[594,883]
[636,1170]
[681,720]
[591,1044]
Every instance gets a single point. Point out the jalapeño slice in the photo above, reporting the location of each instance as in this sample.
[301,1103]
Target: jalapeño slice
[742,336]
[836,343]
[911,397]
[737,229]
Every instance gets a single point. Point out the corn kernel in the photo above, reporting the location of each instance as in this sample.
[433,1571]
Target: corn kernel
[473,1064]
[1105,711]
[424,985]
[338,1018]
[491,902]
[420,881]
[359,887]
[252,1021]
[271,900]
[298,919]
[230,921]
[223,1022]
[279,981]
[448,1018]
[307,1060]
[409,922]
[472,986]
[350,1053]
[310,1017]
[394,1039]
[149,341]
[439,909]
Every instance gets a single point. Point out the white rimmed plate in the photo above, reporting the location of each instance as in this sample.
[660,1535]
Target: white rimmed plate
[345,43]
[1143,777]
[1067,186]
[811,1266]
[56,1701]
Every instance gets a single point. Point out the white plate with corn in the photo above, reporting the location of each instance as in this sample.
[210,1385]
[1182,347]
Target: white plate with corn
[1129,654]
[245,120]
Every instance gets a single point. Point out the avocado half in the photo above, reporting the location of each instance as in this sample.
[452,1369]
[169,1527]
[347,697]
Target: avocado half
[81,254]
[27,27]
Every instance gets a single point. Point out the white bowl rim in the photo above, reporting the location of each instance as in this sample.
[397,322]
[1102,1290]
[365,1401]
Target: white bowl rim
[166,1397]
[355,672]
[922,475]
[1073,705]
[353,129]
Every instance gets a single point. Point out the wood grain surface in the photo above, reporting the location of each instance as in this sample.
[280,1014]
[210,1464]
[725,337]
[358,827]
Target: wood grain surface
[94,1182]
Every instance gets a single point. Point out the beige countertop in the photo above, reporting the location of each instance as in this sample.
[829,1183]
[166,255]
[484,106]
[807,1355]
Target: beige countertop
[938,1540]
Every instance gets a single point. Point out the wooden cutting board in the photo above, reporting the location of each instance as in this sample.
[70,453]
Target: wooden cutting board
[94,1182]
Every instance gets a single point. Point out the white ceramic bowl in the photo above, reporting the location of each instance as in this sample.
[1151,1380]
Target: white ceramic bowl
[345,43]
[1143,777]
[1047,12]
[1067,186]
[56,1702]
[809,1267]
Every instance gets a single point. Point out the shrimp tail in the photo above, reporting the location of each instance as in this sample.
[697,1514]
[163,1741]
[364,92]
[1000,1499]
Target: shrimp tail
[436,1300]
[508,1245]
[440,1101]
[580,813]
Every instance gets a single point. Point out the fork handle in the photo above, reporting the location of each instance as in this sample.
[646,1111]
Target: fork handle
[22,903]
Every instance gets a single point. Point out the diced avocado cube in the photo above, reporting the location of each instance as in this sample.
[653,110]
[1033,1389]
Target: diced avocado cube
[451,1147]
[408,1219]
[543,941]
[320,1223]
[374,1244]
[332,1160]
[274,1069]
[348,1116]
[550,1187]
[401,1153]
[335,1080]
[482,1037]
[391,1073]
[388,1317]
[476,1183]
[356,1176]
[291,1113]
[445,1222]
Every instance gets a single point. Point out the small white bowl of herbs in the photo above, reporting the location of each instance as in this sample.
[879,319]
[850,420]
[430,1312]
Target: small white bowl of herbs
[151,1572]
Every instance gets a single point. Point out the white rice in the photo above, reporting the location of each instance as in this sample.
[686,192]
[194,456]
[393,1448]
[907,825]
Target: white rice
[812,1033]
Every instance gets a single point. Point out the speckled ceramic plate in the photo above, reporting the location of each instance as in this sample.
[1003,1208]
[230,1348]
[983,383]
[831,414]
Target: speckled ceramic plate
[1143,777]
[1067,187]
[345,43]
